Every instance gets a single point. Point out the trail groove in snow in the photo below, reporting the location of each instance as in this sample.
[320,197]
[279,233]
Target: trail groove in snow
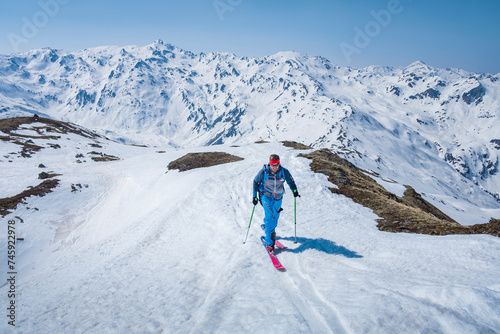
[324,310]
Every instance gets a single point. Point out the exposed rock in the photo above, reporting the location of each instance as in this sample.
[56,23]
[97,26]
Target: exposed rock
[495,143]
[43,176]
[431,93]
[101,157]
[395,90]
[474,95]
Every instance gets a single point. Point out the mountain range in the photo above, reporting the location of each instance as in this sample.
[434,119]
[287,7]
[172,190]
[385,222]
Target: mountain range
[434,128]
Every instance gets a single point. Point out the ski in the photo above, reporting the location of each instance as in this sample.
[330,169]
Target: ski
[277,244]
[273,257]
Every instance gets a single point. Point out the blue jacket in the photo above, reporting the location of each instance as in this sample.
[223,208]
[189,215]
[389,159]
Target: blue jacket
[274,186]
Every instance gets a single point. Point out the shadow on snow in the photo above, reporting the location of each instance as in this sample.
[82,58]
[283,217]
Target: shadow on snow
[321,245]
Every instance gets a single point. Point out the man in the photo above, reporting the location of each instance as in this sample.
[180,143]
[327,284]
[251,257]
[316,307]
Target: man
[269,183]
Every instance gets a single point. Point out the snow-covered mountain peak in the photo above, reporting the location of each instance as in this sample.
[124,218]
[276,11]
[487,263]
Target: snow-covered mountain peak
[287,55]
[418,67]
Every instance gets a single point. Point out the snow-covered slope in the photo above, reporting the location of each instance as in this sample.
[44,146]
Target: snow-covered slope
[400,122]
[162,94]
[137,249]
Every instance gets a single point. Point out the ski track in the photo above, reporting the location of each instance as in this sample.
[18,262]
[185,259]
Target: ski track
[162,252]
[325,312]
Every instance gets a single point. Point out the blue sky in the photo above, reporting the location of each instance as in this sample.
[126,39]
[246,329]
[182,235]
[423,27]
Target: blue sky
[356,33]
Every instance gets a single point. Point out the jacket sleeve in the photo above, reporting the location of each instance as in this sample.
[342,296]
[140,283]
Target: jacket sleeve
[257,181]
[289,179]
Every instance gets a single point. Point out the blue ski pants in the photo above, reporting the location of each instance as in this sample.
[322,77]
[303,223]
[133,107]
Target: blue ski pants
[272,214]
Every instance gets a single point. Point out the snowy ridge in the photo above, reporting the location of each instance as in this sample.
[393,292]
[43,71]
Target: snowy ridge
[408,124]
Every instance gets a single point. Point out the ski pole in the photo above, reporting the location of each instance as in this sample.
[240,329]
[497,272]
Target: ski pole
[295,214]
[249,224]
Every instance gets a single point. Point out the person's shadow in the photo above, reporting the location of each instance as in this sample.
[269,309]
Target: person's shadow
[321,245]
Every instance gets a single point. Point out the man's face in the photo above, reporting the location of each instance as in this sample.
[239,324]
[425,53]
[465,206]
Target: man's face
[275,168]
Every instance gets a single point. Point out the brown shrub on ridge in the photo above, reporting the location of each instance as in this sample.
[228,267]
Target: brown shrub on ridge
[295,145]
[410,213]
[198,160]
[10,203]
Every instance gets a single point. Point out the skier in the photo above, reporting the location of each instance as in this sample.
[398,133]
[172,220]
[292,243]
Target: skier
[269,184]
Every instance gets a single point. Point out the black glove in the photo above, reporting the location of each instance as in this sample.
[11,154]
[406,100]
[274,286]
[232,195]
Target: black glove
[296,193]
[255,201]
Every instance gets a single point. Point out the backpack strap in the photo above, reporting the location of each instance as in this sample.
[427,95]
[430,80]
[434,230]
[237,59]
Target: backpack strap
[266,175]
[280,176]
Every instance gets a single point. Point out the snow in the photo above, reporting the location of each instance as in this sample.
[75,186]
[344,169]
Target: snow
[129,247]
[140,249]
[160,94]
[390,185]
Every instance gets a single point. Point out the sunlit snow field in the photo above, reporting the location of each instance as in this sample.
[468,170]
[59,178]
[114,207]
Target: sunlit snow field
[139,248]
